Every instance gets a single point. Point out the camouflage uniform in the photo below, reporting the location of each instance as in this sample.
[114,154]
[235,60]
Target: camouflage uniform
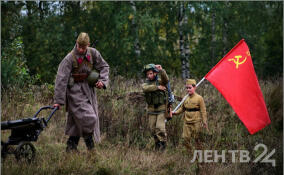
[156,100]
[194,114]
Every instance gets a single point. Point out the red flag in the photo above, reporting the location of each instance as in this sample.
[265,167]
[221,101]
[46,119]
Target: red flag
[235,78]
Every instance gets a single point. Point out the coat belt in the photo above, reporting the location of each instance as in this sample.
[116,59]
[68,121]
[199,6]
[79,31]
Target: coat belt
[79,77]
[192,109]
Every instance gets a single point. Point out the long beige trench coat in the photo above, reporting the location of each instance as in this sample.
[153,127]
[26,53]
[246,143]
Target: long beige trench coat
[80,99]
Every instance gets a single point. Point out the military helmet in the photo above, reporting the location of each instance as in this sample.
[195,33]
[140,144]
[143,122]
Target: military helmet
[93,78]
[150,67]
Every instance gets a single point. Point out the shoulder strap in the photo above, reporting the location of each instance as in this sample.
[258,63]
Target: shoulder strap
[75,67]
[92,59]
[157,80]
[88,63]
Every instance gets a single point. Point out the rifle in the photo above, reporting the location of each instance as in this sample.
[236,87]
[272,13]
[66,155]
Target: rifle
[95,43]
[171,100]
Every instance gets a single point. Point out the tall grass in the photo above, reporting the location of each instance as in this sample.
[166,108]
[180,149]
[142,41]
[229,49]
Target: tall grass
[127,146]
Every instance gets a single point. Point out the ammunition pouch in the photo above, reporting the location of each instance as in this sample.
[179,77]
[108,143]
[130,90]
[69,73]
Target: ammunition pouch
[79,77]
[75,78]
[71,82]
[156,98]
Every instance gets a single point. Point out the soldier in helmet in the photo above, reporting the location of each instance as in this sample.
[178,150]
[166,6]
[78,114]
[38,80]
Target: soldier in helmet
[156,97]
[78,73]
[194,114]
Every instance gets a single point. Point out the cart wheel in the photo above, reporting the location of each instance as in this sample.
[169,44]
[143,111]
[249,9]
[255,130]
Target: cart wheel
[4,150]
[25,150]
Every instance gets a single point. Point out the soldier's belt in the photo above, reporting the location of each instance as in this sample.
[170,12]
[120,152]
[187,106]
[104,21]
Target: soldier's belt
[156,112]
[192,109]
[79,77]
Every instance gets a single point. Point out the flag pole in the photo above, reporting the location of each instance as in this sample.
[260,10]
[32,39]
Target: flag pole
[185,97]
[200,81]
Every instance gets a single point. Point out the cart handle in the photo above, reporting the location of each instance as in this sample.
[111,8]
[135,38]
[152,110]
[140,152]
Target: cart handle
[51,114]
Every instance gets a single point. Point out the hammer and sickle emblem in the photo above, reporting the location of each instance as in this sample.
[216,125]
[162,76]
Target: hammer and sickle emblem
[237,60]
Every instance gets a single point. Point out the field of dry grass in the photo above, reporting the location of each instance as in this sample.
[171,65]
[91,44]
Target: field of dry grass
[127,147]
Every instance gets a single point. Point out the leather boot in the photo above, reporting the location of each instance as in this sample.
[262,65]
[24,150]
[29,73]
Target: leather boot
[163,146]
[72,143]
[157,145]
[88,138]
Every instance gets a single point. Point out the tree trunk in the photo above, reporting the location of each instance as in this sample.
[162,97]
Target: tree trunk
[183,42]
[40,7]
[213,40]
[134,30]
[225,32]
[187,51]
[225,36]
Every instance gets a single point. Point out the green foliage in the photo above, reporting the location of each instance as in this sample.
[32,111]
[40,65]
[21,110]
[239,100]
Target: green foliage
[256,22]
[49,30]
[11,22]
[37,35]
[14,71]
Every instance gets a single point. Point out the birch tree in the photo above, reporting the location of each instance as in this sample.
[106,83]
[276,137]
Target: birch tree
[183,44]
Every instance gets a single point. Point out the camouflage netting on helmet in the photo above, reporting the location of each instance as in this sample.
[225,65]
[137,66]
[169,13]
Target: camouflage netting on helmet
[150,67]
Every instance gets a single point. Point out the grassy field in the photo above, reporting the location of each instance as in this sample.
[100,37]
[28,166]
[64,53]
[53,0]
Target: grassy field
[127,147]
